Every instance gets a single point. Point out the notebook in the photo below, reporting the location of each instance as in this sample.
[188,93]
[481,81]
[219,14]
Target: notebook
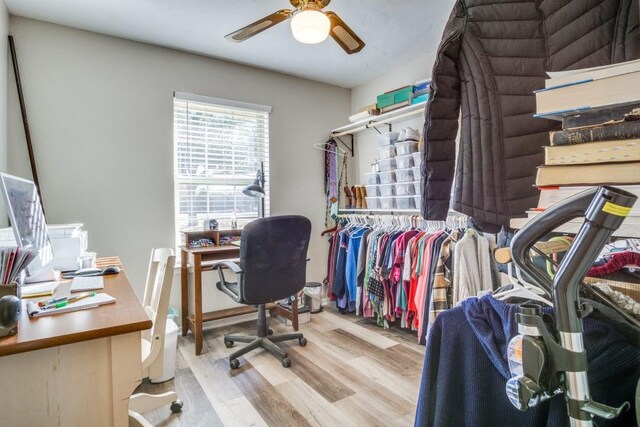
[39,290]
[92,302]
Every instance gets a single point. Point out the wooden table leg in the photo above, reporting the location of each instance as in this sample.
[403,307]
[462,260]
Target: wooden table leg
[184,284]
[197,291]
[294,313]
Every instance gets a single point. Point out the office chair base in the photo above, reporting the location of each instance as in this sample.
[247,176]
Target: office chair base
[268,343]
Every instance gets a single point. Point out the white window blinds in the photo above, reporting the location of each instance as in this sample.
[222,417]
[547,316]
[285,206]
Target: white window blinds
[219,146]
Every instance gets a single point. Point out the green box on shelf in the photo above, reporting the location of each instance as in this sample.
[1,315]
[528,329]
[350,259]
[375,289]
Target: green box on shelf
[395,96]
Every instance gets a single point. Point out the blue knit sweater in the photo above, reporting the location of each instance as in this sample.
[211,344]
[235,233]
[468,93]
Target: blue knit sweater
[466,368]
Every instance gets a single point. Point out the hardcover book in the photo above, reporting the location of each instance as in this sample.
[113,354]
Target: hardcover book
[594,152]
[585,96]
[598,174]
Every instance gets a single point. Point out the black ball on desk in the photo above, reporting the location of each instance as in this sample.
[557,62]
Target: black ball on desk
[10,308]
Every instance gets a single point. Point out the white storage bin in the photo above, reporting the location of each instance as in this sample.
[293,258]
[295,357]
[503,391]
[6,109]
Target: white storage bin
[416,172]
[170,349]
[406,147]
[403,162]
[404,175]
[387,190]
[387,202]
[417,200]
[388,177]
[417,158]
[373,202]
[416,187]
[404,189]
[387,165]
[372,190]
[387,138]
[371,178]
[405,202]
[386,152]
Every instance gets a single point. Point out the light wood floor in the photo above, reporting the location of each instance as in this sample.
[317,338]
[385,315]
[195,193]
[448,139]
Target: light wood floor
[351,373]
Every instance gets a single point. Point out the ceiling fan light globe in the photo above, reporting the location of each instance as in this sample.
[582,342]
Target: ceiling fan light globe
[310,26]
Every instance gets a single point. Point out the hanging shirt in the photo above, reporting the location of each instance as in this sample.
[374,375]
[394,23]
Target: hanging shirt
[421,289]
[351,267]
[472,269]
[440,298]
[339,280]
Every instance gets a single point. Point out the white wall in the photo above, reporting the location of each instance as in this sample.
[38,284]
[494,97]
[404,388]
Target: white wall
[100,111]
[4,78]
[402,75]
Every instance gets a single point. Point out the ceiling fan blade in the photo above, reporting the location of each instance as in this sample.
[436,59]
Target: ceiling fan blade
[259,26]
[343,35]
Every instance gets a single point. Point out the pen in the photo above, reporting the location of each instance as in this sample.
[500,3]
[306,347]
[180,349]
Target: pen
[79,297]
[51,301]
[55,305]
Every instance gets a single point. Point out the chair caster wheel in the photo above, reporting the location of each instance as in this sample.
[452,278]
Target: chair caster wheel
[269,331]
[286,362]
[302,341]
[234,364]
[176,407]
[228,344]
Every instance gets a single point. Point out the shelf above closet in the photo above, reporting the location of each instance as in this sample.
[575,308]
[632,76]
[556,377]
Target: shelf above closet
[382,119]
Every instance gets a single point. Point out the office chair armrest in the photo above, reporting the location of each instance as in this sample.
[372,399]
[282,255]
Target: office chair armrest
[223,281]
[229,264]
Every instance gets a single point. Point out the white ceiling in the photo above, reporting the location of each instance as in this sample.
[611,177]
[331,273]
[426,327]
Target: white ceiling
[395,31]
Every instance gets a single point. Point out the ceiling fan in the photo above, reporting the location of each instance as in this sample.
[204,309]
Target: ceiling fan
[309,25]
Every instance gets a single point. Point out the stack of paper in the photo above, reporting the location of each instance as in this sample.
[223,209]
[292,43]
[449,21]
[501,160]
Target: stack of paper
[12,261]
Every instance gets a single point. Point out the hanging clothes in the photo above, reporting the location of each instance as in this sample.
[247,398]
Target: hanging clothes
[400,274]
[472,269]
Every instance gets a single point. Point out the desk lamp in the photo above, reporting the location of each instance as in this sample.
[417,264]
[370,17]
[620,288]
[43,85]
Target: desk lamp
[256,189]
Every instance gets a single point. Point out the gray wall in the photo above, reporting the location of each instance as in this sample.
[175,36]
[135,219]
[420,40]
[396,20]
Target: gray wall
[100,110]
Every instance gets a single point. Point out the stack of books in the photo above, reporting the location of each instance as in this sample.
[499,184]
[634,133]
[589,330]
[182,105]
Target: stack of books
[600,138]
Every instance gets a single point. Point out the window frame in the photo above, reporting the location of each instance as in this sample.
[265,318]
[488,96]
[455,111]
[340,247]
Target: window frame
[230,106]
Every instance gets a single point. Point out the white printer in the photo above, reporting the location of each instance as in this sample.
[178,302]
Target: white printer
[69,242]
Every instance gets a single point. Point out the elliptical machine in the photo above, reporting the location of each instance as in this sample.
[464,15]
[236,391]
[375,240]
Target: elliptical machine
[548,356]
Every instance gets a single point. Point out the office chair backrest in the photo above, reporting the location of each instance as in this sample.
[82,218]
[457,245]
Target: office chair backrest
[273,257]
[156,304]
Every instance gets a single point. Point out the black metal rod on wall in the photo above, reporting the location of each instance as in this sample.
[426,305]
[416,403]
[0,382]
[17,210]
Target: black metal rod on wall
[25,120]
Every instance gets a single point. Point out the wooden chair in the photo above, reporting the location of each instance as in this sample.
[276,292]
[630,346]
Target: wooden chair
[156,304]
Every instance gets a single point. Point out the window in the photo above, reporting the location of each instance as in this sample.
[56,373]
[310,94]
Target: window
[219,147]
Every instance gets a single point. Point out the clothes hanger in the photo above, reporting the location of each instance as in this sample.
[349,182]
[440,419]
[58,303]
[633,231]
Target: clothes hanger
[519,290]
[322,147]
[329,230]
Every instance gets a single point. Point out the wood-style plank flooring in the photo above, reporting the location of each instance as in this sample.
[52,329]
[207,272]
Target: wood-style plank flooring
[351,373]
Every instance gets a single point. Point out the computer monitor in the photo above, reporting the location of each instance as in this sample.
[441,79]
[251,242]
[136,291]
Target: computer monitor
[29,226]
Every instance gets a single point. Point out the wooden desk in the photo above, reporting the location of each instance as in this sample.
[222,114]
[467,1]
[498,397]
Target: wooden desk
[78,368]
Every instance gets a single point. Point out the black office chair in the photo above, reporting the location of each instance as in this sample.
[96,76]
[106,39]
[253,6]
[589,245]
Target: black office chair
[273,262]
